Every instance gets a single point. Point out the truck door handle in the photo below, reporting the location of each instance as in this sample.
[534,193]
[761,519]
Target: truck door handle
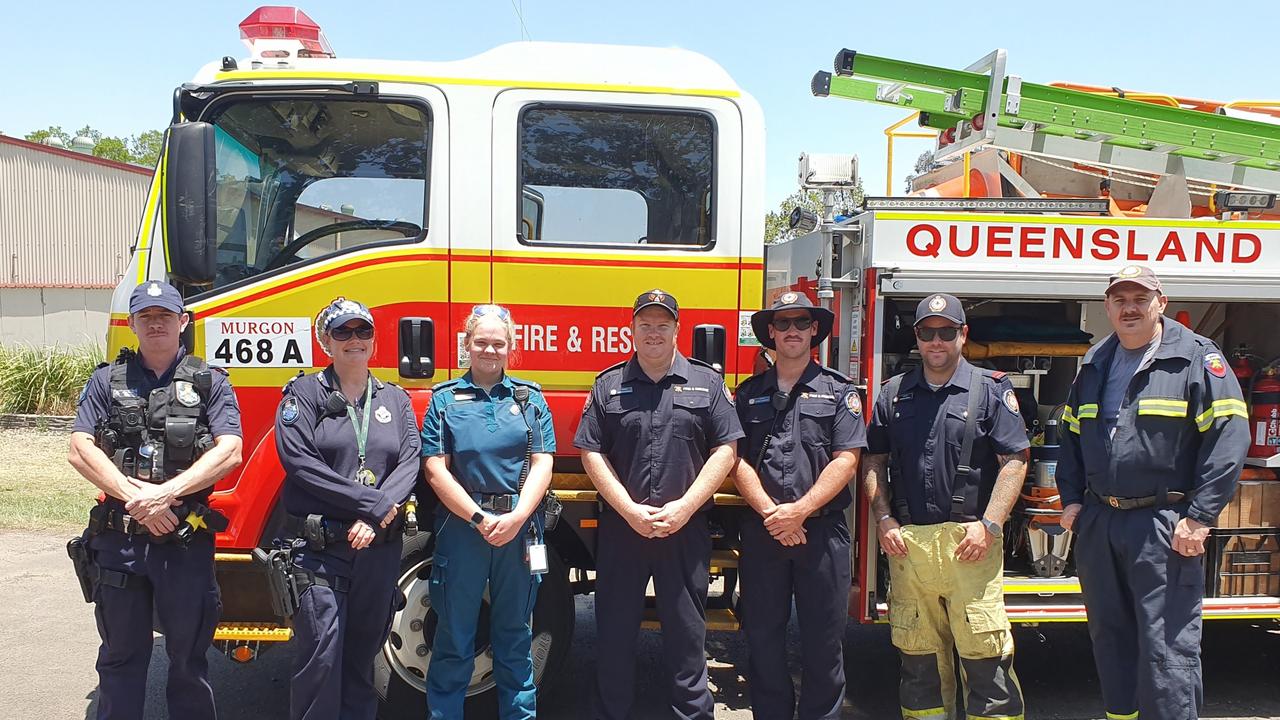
[708,345]
[417,347]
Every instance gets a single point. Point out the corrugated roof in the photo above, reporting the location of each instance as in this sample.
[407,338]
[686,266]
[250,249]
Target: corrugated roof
[75,155]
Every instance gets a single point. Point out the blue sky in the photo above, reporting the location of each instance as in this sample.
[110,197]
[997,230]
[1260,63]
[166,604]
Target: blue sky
[114,65]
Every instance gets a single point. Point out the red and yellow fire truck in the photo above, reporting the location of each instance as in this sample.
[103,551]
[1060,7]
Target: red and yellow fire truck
[560,180]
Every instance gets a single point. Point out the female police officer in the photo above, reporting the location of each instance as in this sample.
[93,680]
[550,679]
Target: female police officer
[480,436]
[349,445]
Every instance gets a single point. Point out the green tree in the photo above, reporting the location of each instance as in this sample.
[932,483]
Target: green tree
[145,147]
[39,136]
[141,149]
[776,223]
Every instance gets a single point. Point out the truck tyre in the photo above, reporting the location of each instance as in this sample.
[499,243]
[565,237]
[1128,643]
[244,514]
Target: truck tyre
[399,671]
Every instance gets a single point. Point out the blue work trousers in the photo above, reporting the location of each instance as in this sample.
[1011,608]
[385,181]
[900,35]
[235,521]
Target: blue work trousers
[1143,601]
[463,565]
[817,575]
[177,584]
[338,632]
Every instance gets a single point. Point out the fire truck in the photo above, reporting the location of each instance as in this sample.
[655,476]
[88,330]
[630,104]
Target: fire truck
[560,180]
[1035,195]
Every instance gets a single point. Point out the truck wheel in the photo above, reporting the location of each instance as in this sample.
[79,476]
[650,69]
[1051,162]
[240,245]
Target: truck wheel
[399,671]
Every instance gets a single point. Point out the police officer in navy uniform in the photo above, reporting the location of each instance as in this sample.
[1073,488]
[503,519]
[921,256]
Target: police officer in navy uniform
[488,442]
[349,446]
[940,519]
[804,433]
[1157,432]
[154,431]
[657,435]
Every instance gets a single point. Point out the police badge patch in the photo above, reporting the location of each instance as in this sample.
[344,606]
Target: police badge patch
[289,411]
[186,392]
[1214,364]
[382,414]
[1011,402]
[853,403]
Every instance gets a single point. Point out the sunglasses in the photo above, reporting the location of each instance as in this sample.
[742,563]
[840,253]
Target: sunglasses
[482,310]
[947,334]
[344,333]
[785,324]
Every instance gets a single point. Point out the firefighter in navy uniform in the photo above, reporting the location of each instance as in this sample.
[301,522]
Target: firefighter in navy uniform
[1157,432]
[804,433]
[154,431]
[954,444]
[658,436]
[349,446]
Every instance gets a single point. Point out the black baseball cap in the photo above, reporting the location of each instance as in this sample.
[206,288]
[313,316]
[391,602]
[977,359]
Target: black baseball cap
[155,293]
[761,319]
[656,297]
[940,305]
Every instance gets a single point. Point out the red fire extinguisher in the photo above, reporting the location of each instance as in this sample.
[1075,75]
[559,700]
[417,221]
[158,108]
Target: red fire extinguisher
[1265,414]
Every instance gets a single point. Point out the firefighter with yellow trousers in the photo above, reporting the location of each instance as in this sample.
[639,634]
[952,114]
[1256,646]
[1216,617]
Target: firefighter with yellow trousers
[947,455]
[1157,433]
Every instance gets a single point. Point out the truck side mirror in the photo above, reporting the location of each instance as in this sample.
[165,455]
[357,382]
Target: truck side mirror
[190,203]
[708,345]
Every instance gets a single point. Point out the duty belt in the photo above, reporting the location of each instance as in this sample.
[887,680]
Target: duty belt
[321,532]
[103,518]
[1137,503]
[497,502]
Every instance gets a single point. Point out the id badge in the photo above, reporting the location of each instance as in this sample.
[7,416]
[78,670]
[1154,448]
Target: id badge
[536,555]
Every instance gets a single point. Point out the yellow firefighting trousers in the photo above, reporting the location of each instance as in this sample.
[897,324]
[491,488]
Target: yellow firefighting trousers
[937,603]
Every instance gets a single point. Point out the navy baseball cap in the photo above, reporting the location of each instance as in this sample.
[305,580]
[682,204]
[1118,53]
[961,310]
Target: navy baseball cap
[940,305]
[656,297]
[154,293]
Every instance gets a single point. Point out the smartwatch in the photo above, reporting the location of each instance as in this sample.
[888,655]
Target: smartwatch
[993,527]
[476,519]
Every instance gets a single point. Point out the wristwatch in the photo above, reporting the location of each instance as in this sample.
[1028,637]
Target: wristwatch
[476,519]
[993,527]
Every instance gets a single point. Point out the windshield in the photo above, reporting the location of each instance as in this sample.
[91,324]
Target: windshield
[303,177]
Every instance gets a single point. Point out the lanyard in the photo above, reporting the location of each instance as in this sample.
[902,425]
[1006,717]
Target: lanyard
[362,425]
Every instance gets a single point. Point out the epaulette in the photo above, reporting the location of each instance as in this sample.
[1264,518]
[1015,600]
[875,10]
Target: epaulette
[218,368]
[835,374]
[102,364]
[446,385]
[996,375]
[704,364]
[526,383]
[616,366]
[287,388]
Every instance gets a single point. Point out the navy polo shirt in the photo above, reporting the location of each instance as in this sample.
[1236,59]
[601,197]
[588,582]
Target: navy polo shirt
[823,415]
[317,447]
[484,433]
[658,435]
[921,430]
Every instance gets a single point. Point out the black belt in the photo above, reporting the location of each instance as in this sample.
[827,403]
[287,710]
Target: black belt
[321,532]
[102,518]
[1138,503]
[496,502]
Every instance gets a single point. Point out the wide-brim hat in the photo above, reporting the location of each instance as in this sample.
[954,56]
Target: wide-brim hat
[761,319]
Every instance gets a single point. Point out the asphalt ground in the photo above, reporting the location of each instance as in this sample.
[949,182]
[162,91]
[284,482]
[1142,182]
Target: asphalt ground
[48,643]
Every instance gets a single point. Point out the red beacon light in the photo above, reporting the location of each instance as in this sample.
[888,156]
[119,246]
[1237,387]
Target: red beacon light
[281,32]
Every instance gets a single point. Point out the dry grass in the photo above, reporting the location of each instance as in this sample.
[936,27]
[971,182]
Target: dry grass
[38,489]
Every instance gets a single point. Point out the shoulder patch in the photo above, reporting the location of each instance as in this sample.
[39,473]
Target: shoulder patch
[727,395]
[586,405]
[289,411]
[853,403]
[1011,401]
[1214,364]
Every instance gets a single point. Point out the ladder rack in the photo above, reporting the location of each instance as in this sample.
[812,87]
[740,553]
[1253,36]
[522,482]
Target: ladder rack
[982,106]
